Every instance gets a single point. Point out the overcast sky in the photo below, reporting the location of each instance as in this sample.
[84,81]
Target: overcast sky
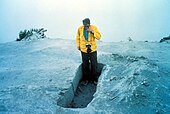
[116,19]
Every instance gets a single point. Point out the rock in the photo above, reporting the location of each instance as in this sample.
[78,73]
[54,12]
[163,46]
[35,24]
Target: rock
[165,39]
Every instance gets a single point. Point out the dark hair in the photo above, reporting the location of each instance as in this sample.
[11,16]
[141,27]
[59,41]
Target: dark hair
[86,21]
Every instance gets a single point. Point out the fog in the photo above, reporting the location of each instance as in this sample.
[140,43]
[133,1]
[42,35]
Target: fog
[116,19]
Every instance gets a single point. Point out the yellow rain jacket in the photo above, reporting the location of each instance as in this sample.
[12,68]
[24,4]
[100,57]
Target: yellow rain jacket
[81,41]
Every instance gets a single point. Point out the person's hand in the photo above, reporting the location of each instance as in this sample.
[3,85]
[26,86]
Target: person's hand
[90,30]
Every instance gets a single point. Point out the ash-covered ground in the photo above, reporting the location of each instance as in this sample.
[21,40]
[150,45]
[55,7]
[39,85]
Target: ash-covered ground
[36,75]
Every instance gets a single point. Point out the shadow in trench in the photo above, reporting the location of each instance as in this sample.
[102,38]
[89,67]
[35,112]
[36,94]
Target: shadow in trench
[83,95]
[79,95]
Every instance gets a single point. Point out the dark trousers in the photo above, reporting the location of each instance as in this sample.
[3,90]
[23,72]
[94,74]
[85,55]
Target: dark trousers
[89,66]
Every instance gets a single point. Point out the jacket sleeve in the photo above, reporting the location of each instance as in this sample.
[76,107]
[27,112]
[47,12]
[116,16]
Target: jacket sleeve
[97,34]
[78,38]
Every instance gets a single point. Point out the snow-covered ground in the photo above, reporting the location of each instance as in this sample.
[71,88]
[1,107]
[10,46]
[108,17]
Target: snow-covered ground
[36,75]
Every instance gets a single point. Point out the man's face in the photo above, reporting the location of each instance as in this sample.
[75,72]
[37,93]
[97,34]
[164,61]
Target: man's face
[87,26]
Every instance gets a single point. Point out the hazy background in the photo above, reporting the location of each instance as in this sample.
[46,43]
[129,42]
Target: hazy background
[116,19]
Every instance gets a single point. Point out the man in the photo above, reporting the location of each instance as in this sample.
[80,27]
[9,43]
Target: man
[86,43]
